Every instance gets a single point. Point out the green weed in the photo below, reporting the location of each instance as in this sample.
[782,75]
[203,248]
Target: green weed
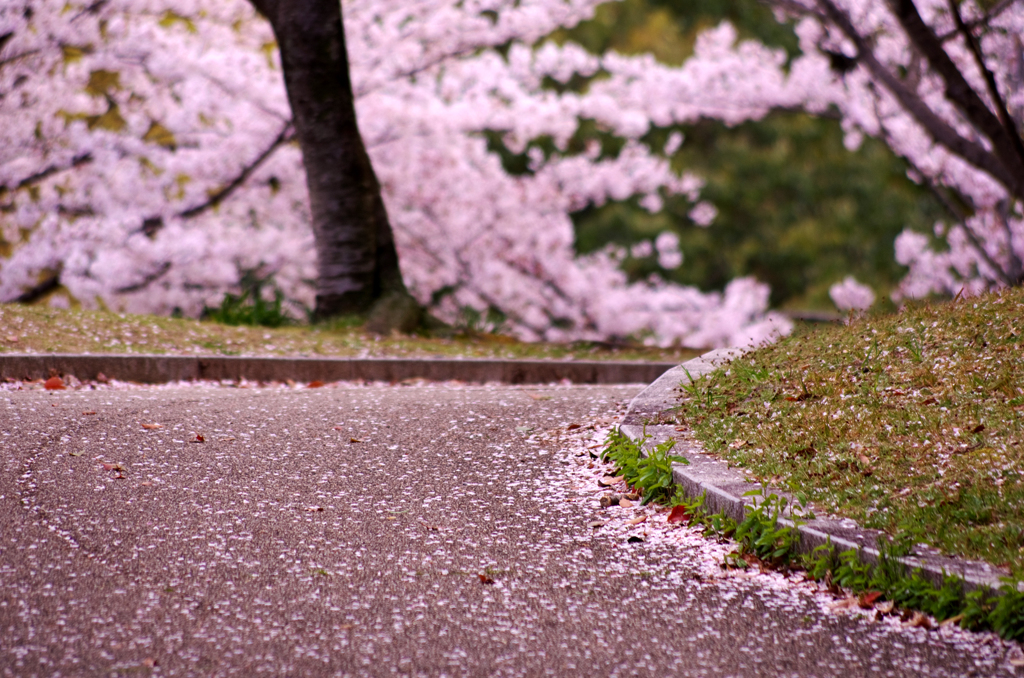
[979,610]
[249,308]
[650,473]
[760,534]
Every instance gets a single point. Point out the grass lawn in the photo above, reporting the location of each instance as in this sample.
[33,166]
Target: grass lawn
[38,329]
[912,423]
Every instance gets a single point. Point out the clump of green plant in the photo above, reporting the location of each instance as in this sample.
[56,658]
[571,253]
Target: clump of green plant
[760,534]
[889,580]
[650,472]
[716,526]
[760,539]
[250,308]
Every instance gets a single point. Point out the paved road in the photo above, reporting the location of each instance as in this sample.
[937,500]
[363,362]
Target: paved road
[282,546]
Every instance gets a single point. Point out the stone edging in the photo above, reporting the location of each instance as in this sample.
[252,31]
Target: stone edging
[725,486]
[153,369]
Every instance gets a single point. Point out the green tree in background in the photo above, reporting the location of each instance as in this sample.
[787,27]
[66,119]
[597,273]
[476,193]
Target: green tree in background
[796,208]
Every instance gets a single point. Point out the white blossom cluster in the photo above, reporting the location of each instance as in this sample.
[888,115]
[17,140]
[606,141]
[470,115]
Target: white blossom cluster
[850,295]
[986,248]
[146,156]
[124,119]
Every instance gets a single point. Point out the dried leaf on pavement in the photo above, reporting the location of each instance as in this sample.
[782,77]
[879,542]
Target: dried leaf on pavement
[678,514]
[54,384]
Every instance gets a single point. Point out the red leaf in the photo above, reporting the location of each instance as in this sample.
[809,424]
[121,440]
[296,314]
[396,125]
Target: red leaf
[315,384]
[679,514]
[868,598]
[54,384]
[484,579]
[572,427]
[88,412]
[199,438]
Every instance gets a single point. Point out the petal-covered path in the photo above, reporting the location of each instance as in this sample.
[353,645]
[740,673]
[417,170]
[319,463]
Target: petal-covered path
[383,530]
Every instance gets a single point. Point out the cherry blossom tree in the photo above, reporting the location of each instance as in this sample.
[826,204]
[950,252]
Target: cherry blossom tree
[357,263]
[942,82]
[150,160]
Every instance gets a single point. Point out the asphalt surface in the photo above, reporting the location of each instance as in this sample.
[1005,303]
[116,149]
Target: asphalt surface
[372,530]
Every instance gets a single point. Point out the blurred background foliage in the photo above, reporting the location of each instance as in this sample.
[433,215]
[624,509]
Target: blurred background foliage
[797,210]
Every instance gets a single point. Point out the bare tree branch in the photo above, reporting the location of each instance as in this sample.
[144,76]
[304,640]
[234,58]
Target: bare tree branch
[961,218]
[962,95]
[48,284]
[286,135]
[954,210]
[990,81]
[49,171]
[940,131]
[983,20]
[146,281]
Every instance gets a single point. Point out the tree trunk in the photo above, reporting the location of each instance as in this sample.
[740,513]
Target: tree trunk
[356,259]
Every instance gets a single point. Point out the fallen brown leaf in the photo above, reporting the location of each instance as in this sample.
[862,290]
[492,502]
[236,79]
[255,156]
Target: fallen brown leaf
[54,384]
[484,579]
[355,440]
[152,427]
[678,514]
[867,599]
[573,427]
[952,620]
[848,603]
[607,481]
[920,621]
[637,520]
[625,503]
[315,384]
[89,412]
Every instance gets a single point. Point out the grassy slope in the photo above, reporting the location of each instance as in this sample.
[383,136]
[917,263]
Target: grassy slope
[912,423]
[36,329]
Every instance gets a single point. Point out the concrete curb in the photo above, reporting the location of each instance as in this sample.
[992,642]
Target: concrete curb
[153,369]
[724,487]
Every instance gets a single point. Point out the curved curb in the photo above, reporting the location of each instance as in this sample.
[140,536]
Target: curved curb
[724,486]
[155,369]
